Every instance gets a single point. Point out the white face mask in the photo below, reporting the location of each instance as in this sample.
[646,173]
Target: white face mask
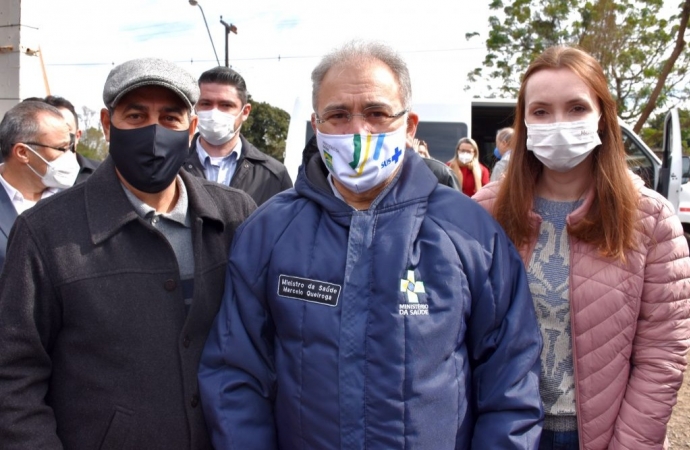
[61,172]
[217,127]
[465,157]
[362,161]
[561,146]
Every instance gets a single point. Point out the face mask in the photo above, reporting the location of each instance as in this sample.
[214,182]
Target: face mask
[497,153]
[362,161]
[465,157]
[563,145]
[216,127]
[60,172]
[149,158]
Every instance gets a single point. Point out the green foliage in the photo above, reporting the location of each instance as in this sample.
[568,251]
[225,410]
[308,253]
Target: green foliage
[653,133]
[631,39]
[266,128]
[93,144]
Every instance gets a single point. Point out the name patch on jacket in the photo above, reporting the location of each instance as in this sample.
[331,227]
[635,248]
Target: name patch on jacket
[309,290]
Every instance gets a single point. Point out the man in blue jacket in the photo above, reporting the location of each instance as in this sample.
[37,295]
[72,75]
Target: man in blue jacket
[371,307]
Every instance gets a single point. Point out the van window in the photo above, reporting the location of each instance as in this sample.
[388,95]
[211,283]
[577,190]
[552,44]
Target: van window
[442,137]
[638,161]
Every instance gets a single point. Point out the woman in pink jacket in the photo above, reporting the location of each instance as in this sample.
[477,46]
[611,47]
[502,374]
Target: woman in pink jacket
[607,262]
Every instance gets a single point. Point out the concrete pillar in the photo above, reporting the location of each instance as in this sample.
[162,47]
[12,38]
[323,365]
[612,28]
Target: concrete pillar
[21,72]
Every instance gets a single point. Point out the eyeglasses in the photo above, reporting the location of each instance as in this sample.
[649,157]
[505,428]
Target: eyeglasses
[71,148]
[374,116]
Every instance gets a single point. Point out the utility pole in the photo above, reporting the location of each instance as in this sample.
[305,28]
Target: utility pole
[21,73]
[229,28]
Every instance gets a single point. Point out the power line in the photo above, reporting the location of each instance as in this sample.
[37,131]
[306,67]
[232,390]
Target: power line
[276,58]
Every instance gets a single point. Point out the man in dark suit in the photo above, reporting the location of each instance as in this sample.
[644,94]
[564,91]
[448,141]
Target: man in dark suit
[219,152]
[39,160]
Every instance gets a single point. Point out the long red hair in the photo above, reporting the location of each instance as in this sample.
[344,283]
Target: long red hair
[609,225]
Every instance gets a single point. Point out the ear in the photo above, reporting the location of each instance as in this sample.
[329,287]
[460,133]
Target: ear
[192,127]
[105,122]
[412,121]
[313,122]
[77,136]
[20,153]
[245,111]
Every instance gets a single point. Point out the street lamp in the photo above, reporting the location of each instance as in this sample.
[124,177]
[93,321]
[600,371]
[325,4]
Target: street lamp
[196,3]
[228,29]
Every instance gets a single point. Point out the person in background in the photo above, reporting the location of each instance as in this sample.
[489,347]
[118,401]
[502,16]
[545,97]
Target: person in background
[606,258]
[471,174]
[502,152]
[370,307]
[445,176]
[39,160]
[421,148]
[219,152]
[110,287]
[86,165]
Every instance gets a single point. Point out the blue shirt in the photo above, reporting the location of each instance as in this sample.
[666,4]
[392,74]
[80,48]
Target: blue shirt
[219,168]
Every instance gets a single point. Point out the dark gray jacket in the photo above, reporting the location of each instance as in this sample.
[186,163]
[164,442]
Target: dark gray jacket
[258,174]
[87,167]
[443,173]
[97,349]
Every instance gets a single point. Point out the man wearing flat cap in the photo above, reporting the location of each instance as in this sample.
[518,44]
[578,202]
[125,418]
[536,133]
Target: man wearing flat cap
[109,288]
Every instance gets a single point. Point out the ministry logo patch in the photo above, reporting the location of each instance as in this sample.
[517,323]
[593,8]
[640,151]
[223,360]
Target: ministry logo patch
[412,288]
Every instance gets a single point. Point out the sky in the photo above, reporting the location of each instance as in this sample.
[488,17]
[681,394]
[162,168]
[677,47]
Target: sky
[277,45]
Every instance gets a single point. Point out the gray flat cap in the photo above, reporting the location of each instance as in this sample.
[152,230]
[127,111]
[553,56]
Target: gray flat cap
[149,72]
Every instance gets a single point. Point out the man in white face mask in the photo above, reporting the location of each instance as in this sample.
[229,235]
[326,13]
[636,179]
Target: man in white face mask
[39,160]
[371,307]
[219,152]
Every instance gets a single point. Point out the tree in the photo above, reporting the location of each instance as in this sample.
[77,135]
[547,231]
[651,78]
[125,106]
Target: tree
[639,49]
[89,118]
[653,134]
[266,128]
[93,144]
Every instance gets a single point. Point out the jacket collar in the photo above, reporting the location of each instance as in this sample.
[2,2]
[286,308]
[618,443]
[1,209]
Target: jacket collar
[108,209]
[248,150]
[86,164]
[579,213]
[8,214]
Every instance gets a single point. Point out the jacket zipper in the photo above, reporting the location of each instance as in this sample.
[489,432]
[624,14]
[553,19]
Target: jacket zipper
[572,338]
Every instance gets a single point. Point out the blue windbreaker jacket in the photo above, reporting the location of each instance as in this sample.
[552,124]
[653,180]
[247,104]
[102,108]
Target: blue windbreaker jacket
[406,326]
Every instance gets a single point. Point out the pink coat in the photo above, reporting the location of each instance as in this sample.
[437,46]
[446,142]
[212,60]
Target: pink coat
[630,326]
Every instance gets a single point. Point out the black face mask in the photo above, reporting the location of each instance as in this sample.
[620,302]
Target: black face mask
[149,158]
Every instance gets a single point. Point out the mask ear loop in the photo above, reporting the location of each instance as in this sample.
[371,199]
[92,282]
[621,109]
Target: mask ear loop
[42,159]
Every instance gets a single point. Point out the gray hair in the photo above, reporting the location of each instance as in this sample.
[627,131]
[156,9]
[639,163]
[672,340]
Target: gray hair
[357,52]
[21,124]
[504,134]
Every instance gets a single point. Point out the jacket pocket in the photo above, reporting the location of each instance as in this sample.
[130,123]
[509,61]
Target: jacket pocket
[117,432]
